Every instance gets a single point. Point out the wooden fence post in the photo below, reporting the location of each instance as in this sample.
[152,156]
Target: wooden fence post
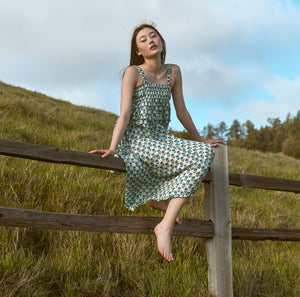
[217,209]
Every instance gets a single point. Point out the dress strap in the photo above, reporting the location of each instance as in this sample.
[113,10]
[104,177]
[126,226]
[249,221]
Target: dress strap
[141,72]
[169,74]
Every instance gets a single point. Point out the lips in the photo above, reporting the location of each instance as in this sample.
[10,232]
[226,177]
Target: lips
[153,47]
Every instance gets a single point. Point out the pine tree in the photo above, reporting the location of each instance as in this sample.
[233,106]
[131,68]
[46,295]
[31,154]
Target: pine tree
[220,130]
[235,131]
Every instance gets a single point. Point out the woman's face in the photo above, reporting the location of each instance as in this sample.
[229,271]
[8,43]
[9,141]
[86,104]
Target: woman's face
[148,43]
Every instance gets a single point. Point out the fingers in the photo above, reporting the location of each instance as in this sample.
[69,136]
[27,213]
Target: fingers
[221,141]
[107,154]
[103,153]
[215,142]
[97,152]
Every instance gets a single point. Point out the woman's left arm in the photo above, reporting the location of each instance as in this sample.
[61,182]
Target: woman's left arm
[181,111]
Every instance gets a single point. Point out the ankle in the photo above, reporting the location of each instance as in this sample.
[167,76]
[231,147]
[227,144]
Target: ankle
[163,227]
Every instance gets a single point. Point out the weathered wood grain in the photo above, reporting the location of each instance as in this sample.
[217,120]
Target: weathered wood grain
[266,234]
[264,182]
[195,228]
[217,209]
[118,224]
[57,155]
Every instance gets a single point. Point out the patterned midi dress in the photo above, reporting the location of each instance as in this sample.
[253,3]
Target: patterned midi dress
[158,164]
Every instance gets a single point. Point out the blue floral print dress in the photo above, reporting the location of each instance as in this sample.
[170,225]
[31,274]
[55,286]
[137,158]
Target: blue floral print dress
[159,165]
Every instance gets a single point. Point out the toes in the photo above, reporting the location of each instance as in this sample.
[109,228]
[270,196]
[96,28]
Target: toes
[167,256]
[179,220]
[163,244]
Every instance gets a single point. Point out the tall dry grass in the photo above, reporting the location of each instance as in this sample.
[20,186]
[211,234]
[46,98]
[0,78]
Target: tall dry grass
[72,263]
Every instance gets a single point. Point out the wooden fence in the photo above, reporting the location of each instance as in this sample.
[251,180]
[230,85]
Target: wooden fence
[216,227]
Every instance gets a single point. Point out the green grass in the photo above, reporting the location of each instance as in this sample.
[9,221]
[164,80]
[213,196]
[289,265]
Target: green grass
[72,263]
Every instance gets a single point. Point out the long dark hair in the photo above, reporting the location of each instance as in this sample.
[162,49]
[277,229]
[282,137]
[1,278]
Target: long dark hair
[135,59]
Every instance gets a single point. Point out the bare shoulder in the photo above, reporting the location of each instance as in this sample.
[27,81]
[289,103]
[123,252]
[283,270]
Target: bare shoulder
[130,75]
[176,74]
[175,68]
[131,71]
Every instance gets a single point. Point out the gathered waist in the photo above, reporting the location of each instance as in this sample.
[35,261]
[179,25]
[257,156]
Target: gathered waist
[147,123]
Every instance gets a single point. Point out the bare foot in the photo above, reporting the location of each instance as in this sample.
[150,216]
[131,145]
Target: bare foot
[163,243]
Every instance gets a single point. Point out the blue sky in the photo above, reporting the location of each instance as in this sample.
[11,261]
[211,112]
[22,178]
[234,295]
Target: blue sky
[239,59]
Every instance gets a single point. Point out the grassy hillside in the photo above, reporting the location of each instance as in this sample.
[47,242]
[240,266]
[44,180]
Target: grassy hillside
[69,263]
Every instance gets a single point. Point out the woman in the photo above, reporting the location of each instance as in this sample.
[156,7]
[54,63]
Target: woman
[161,169]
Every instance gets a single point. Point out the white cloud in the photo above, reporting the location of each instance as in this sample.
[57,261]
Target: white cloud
[285,91]
[226,42]
[283,99]
[62,47]
[218,80]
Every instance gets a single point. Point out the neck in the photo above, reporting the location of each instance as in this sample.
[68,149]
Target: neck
[153,65]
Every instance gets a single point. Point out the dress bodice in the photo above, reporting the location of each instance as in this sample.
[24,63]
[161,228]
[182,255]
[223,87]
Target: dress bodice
[151,102]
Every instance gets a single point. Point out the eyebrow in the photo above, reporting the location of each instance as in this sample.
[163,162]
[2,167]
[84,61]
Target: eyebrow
[149,34]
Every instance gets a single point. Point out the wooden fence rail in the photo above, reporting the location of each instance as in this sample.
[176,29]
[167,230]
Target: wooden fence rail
[216,227]
[57,155]
[121,224]
[99,223]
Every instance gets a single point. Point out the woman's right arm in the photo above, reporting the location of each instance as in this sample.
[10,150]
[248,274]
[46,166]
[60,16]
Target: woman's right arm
[128,84]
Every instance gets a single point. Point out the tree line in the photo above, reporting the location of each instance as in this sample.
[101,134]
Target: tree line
[275,137]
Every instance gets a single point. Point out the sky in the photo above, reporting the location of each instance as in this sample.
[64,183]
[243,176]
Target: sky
[239,59]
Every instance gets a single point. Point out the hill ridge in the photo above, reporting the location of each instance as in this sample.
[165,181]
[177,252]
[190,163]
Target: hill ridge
[56,263]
